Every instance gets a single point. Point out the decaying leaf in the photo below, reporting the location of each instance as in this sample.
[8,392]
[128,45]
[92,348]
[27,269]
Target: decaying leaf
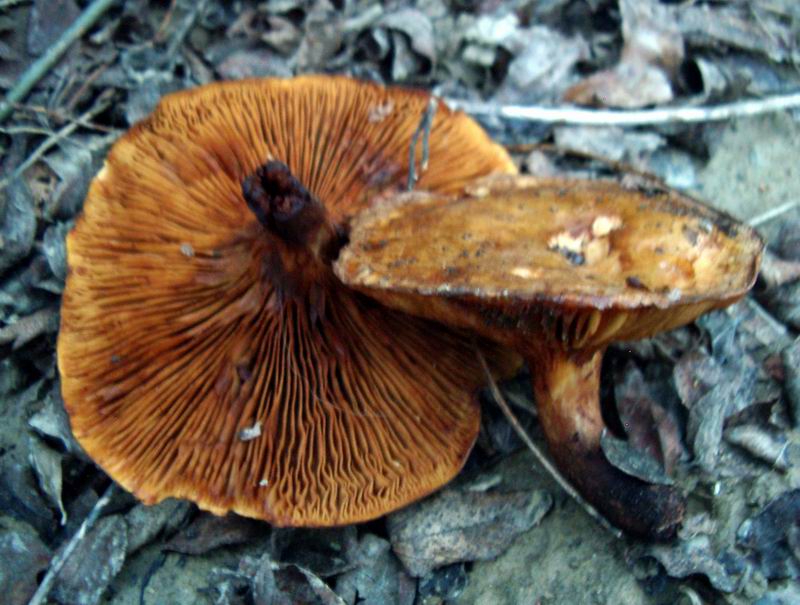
[776,272]
[95,562]
[378,576]
[208,532]
[27,328]
[417,28]
[324,31]
[791,365]
[48,20]
[23,557]
[55,249]
[784,303]
[772,536]
[543,68]
[653,49]
[17,223]
[649,426]
[325,551]
[609,142]
[632,461]
[147,522]
[462,526]
[628,85]
[253,63]
[274,583]
[51,421]
[714,386]
[46,463]
[445,583]
[760,444]
[74,165]
[691,557]
[734,25]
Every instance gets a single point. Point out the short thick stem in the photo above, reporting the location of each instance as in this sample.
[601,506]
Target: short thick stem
[302,240]
[567,389]
[284,206]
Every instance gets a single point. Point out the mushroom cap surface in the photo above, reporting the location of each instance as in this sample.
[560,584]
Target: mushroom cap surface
[581,262]
[185,368]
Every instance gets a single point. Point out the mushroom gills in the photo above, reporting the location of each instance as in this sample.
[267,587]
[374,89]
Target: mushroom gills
[201,304]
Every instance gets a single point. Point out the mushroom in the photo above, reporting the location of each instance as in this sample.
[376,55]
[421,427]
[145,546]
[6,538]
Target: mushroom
[559,269]
[207,351]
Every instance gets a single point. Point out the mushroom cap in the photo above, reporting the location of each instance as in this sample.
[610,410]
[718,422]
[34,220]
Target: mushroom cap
[581,262]
[185,371]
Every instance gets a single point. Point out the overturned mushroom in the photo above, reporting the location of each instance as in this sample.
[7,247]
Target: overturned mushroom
[206,349]
[559,269]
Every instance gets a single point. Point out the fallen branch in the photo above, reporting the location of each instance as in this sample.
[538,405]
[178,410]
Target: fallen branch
[39,68]
[538,454]
[642,117]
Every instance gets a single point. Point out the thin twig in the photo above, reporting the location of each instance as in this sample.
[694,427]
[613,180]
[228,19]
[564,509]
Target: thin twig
[773,213]
[546,464]
[165,23]
[101,104]
[61,116]
[58,561]
[39,68]
[424,130]
[522,404]
[26,130]
[642,117]
[183,28]
[86,84]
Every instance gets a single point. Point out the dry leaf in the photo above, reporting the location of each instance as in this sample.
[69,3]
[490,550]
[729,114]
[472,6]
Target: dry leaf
[27,328]
[463,526]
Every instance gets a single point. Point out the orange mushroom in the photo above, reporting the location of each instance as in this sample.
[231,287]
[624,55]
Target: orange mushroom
[558,269]
[206,350]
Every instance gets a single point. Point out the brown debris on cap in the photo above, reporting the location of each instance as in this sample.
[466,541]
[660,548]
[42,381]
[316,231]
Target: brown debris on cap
[207,351]
[558,269]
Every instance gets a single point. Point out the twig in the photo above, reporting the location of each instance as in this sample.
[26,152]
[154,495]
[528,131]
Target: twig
[39,68]
[64,132]
[773,213]
[522,404]
[546,464]
[165,22]
[90,79]
[424,130]
[58,561]
[26,130]
[183,28]
[61,116]
[612,117]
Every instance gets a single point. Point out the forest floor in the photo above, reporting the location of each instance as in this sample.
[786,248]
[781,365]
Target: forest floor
[716,402]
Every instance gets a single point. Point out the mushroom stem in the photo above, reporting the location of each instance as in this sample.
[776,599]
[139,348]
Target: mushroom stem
[567,388]
[305,240]
[285,207]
